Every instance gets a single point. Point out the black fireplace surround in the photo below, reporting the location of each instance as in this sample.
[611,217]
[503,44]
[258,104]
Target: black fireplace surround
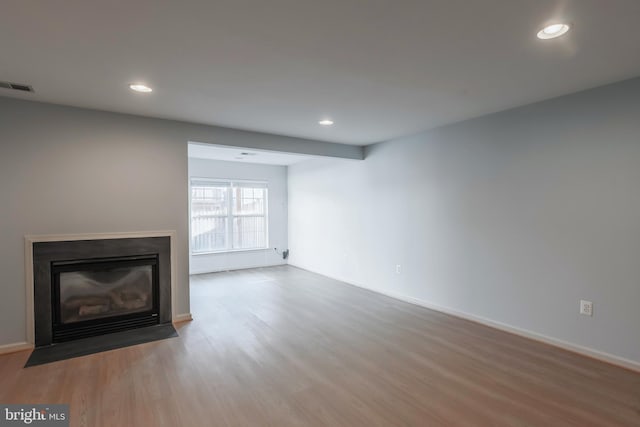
[84,288]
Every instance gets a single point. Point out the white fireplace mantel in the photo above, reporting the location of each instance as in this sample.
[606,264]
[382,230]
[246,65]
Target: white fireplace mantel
[28,255]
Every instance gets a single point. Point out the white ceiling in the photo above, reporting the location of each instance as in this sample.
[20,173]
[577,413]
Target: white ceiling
[251,155]
[378,68]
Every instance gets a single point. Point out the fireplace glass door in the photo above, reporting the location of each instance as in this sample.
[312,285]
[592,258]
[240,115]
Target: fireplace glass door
[96,296]
[87,295]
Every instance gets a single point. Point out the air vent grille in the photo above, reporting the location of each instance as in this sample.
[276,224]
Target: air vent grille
[16,86]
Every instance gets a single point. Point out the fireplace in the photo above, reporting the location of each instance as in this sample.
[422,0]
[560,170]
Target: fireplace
[104,295]
[93,288]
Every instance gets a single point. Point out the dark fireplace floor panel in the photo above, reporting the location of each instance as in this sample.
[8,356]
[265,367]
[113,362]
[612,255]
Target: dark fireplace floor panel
[97,344]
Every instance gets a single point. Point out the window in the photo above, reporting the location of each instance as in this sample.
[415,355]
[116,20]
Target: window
[228,215]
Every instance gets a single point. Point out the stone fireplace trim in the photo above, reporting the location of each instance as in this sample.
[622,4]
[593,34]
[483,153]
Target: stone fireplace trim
[28,248]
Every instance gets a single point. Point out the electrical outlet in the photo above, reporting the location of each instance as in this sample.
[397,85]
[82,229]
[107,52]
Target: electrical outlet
[586,307]
[398,268]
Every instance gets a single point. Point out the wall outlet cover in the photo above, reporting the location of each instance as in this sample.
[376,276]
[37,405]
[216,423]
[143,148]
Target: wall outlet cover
[586,307]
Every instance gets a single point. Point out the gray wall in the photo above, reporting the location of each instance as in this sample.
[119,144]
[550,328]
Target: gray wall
[70,170]
[276,177]
[513,217]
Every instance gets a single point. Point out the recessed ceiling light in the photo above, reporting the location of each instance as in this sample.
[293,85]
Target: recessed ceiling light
[140,88]
[326,122]
[552,31]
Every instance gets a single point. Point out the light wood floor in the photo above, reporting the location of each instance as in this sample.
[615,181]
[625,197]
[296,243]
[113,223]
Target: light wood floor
[284,347]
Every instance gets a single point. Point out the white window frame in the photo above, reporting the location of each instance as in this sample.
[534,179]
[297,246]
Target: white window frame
[230,215]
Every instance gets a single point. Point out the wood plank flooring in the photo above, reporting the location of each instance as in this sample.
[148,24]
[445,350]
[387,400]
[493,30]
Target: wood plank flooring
[284,347]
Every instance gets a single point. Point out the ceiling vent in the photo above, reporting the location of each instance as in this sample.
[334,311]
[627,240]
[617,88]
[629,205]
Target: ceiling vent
[16,86]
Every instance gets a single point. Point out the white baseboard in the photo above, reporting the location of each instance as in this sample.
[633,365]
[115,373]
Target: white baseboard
[575,348]
[184,317]
[12,348]
[244,267]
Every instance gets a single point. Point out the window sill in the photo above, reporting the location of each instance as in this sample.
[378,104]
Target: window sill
[230,251]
